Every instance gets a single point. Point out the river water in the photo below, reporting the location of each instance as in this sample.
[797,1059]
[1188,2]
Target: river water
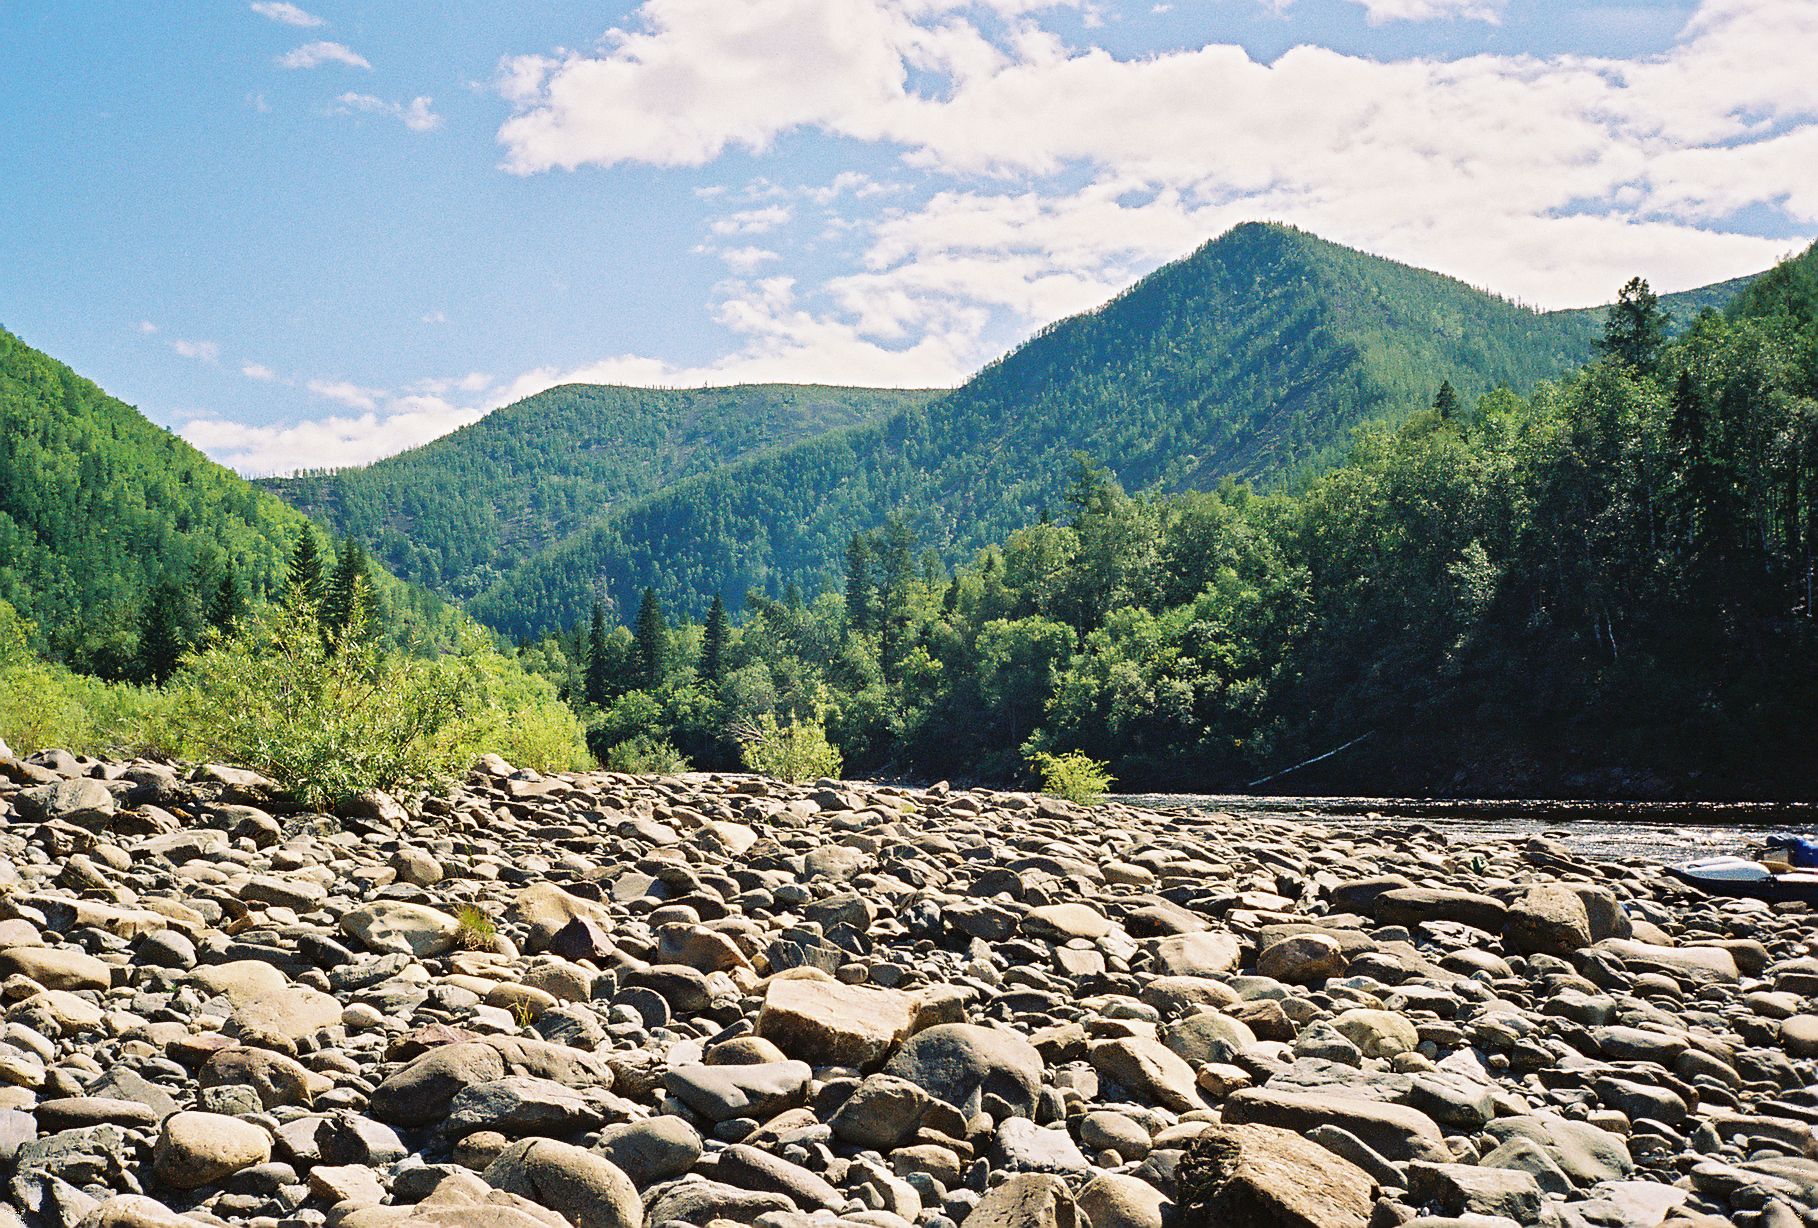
[1648,831]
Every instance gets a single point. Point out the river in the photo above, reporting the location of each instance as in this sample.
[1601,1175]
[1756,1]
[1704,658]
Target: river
[1658,832]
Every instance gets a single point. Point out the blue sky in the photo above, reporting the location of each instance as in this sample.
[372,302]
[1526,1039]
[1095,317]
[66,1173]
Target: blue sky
[316,234]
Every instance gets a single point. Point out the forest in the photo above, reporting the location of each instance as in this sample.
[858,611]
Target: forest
[1601,588]
[1256,357]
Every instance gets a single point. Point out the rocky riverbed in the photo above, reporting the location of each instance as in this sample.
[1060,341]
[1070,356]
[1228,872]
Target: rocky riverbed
[604,1001]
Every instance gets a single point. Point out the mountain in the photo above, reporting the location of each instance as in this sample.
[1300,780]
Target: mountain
[99,506]
[454,513]
[1253,358]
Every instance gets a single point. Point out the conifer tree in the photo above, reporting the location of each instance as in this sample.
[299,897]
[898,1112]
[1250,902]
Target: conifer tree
[227,606]
[1635,328]
[597,684]
[858,583]
[305,582]
[1446,402]
[350,601]
[652,648]
[162,641]
[713,642]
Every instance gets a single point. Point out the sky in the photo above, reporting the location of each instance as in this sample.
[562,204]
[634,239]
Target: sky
[314,235]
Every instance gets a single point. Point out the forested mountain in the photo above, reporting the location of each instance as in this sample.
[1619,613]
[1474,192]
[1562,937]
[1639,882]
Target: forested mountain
[100,509]
[455,513]
[1604,588]
[1254,358]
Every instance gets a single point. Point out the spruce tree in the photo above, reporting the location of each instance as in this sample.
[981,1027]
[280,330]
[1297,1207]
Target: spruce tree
[858,583]
[1635,328]
[596,685]
[350,602]
[161,636]
[652,633]
[713,642]
[305,584]
[228,605]
[1446,402]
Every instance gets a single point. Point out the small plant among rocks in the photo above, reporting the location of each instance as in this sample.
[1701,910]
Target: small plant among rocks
[1073,776]
[478,932]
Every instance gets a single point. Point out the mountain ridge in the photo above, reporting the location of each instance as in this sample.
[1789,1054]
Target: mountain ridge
[1254,357]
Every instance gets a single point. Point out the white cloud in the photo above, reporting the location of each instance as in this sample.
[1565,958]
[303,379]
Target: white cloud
[316,54]
[434,317]
[286,14]
[205,351]
[349,394]
[327,442]
[753,221]
[746,259]
[146,327]
[416,115]
[1377,12]
[258,371]
[1548,177]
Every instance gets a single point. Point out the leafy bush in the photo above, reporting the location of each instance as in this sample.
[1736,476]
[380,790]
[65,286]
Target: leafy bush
[1073,776]
[44,705]
[331,714]
[796,752]
[645,755]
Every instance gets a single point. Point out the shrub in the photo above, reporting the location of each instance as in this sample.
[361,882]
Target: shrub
[796,752]
[330,714]
[44,705]
[1073,776]
[645,755]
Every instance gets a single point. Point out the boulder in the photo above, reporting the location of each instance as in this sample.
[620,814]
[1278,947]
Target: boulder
[833,1024]
[587,1189]
[198,1149]
[972,1067]
[1257,1176]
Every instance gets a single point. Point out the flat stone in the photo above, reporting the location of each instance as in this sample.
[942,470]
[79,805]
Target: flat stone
[834,1024]
[1258,1176]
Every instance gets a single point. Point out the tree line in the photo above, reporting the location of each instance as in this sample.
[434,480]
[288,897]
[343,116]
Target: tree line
[1603,587]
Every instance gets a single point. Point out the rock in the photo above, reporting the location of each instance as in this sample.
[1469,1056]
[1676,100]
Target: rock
[1393,1130]
[587,1189]
[750,1168]
[720,1093]
[518,1105]
[651,1151]
[1585,1154]
[83,802]
[546,910]
[1257,1176]
[1377,1033]
[973,1067]
[1412,906]
[1202,954]
[882,1112]
[422,1091]
[1466,1189]
[56,967]
[1027,1200]
[711,1202]
[1116,1200]
[1703,965]
[396,925]
[1547,920]
[1302,959]
[1155,1073]
[834,1024]
[198,1149]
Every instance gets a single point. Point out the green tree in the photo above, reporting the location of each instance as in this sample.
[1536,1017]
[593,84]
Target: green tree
[858,582]
[597,688]
[896,569]
[162,639]
[652,631]
[1445,403]
[1635,328]
[305,584]
[713,642]
[349,604]
[228,604]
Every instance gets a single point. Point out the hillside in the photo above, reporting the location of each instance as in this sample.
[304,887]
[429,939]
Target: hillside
[456,512]
[99,505]
[1254,358]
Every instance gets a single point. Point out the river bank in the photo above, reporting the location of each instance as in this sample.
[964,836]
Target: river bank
[604,1001]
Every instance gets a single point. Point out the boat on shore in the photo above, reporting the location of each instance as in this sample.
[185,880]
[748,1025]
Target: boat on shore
[1748,879]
